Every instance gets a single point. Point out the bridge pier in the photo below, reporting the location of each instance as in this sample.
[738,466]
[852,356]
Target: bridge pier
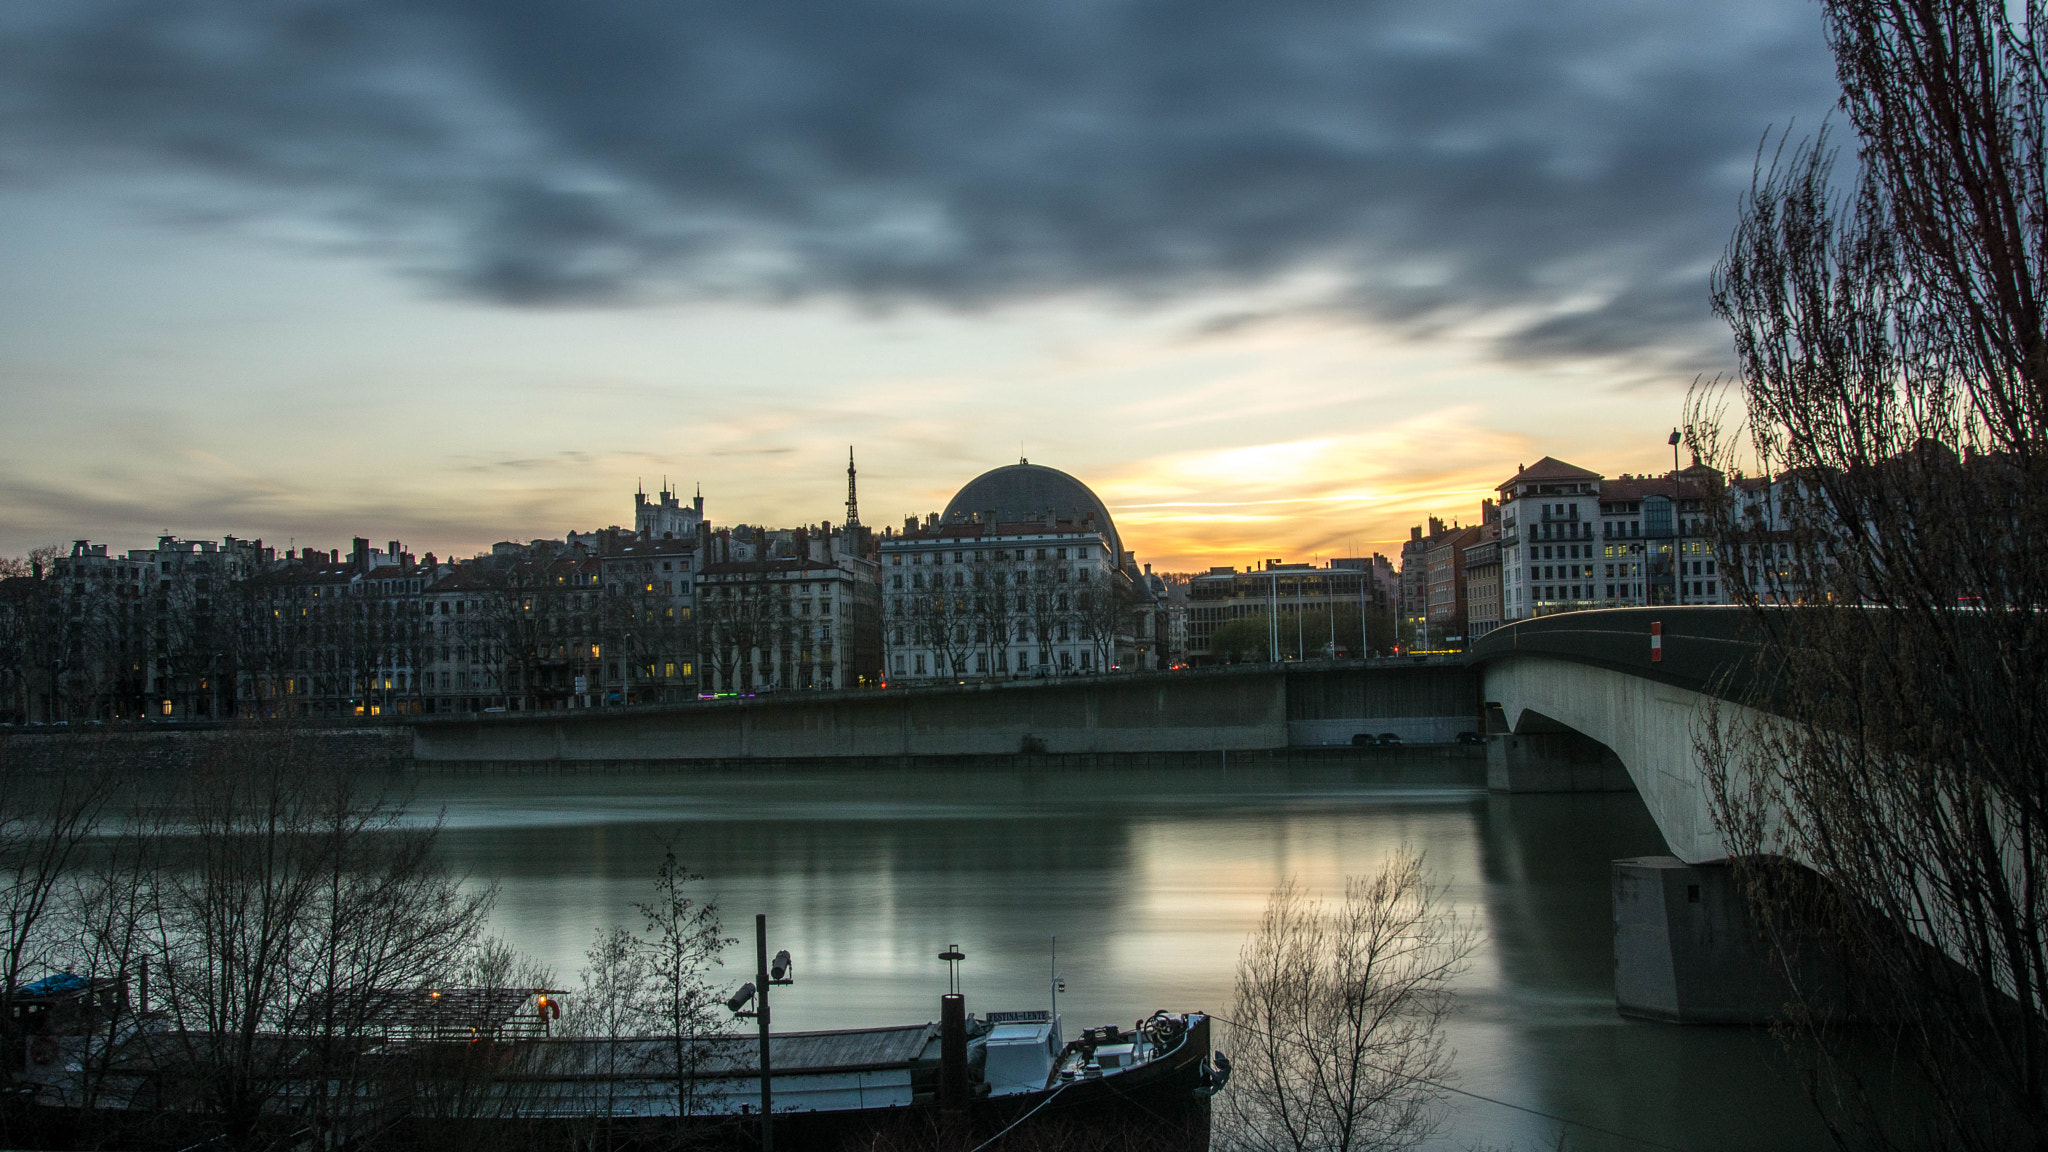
[1686,949]
[1561,761]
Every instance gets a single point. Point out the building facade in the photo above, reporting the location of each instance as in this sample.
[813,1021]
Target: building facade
[1482,584]
[1022,576]
[804,616]
[1347,600]
[1571,540]
[977,601]
[1445,590]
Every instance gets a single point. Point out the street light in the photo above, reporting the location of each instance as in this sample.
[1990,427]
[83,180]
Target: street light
[769,974]
[1677,529]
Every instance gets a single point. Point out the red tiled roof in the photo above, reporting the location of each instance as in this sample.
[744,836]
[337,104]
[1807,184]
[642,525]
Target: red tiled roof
[1549,468]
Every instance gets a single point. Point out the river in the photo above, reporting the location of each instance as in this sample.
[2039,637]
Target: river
[1150,879]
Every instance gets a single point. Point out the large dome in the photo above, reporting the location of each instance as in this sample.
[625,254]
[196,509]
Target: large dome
[1019,492]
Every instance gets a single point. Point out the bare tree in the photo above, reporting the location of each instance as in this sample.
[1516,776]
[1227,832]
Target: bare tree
[46,820]
[641,627]
[1339,1022]
[1050,615]
[610,1009]
[681,943]
[1103,612]
[942,621]
[296,896]
[745,620]
[1894,385]
[992,608]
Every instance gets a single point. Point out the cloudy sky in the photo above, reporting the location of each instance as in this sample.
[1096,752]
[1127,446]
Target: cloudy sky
[1276,278]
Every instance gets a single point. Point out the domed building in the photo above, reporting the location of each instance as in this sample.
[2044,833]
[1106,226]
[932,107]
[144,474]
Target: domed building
[1024,491]
[1022,576]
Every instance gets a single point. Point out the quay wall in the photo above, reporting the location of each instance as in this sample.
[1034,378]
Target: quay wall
[1242,716]
[149,748]
[1212,712]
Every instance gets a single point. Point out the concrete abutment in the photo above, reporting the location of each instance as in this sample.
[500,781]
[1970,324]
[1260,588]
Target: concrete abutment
[1686,950]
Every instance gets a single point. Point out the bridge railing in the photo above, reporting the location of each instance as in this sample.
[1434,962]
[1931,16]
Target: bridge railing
[1716,650]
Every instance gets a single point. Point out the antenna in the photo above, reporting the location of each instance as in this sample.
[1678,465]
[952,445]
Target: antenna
[1058,985]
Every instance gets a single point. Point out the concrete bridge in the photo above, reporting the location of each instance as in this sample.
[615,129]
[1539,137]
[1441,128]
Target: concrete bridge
[1613,699]
[1617,698]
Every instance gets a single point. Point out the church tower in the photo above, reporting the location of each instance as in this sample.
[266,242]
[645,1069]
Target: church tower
[668,518]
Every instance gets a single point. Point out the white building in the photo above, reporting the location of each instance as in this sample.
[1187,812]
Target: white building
[667,518]
[1571,540]
[1022,576]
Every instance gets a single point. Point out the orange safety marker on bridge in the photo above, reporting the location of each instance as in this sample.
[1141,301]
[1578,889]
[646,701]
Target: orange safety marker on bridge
[1656,641]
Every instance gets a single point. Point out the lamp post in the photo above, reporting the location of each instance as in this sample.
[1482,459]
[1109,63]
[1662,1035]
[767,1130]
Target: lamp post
[776,973]
[1677,530]
[1273,610]
[1364,639]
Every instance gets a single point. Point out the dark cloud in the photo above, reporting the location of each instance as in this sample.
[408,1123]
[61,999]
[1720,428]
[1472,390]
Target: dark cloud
[566,459]
[1573,165]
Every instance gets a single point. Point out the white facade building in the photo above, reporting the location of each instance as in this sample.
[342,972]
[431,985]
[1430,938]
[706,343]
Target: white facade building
[1571,540]
[1022,576]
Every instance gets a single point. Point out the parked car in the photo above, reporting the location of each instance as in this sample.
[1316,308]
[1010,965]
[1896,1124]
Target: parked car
[1471,738]
[1364,739]
[1390,738]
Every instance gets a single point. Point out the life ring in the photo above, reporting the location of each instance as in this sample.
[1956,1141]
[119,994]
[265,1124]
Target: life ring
[42,1049]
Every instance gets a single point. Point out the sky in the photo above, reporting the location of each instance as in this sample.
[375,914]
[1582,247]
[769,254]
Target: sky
[1275,279]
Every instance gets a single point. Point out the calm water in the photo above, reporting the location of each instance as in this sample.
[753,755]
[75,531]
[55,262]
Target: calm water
[1150,879]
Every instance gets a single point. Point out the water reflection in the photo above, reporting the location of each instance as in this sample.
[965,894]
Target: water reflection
[1150,878]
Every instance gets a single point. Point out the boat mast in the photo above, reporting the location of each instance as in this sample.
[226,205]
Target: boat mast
[1056,985]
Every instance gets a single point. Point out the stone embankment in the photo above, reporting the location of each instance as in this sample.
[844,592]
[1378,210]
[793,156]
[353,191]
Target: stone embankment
[164,748]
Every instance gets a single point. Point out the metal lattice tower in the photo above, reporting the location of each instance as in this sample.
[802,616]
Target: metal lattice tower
[852,503]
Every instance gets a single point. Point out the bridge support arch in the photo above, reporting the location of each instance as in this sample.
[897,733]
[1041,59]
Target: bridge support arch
[1686,949]
[1560,710]
[1541,755]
